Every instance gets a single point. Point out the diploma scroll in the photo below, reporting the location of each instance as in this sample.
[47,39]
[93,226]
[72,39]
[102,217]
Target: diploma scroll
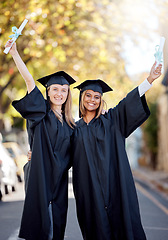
[17,33]
[159,52]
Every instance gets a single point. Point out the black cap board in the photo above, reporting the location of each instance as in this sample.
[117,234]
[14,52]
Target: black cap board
[95,85]
[60,77]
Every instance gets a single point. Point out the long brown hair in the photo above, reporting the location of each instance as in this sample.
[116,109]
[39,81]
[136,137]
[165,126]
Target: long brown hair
[66,109]
[99,109]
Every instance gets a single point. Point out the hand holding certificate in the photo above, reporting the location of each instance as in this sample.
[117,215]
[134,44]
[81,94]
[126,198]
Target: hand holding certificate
[159,52]
[17,33]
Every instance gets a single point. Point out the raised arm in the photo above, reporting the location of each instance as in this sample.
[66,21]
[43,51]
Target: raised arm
[21,67]
[132,111]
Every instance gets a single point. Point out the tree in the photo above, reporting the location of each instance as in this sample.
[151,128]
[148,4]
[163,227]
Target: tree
[150,134]
[83,37]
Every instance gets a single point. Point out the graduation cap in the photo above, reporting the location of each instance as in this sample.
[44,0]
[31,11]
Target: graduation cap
[60,77]
[94,85]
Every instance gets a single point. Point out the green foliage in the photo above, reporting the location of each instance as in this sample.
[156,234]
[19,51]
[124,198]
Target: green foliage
[83,37]
[151,129]
[64,35]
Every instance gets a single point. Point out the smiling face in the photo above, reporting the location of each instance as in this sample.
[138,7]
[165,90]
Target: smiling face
[91,100]
[58,94]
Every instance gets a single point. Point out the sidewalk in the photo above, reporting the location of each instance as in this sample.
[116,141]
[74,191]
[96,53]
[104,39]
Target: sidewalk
[157,179]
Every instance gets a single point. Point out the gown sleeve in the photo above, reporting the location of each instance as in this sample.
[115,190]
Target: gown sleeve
[32,107]
[130,113]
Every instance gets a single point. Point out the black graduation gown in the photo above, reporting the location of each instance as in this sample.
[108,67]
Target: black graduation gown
[48,173]
[106,200]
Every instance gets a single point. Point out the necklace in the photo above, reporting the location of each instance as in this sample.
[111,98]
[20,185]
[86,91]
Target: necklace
[59,115]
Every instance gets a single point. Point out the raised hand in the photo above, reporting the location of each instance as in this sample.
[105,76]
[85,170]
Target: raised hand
[155,72]
[13,49]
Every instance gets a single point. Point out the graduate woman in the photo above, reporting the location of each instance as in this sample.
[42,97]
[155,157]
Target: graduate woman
[50,126]
[106,200]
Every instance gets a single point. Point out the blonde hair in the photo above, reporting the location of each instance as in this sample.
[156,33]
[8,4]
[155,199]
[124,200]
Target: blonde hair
[99,109]
[66,109]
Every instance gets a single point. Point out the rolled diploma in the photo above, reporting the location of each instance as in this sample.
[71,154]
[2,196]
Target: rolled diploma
[14,38]
[162,41]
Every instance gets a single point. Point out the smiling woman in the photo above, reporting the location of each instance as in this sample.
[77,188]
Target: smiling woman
[91,100]
[91,105]
[106,200]
[50,126]
[57,96]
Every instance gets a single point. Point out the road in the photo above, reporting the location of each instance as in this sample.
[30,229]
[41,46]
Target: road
[153,208]
[154,212]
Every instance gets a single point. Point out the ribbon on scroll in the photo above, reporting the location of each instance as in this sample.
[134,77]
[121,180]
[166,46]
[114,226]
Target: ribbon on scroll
[159,52]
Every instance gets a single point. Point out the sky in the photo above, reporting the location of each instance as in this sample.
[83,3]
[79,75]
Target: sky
[140,58]
[143,16]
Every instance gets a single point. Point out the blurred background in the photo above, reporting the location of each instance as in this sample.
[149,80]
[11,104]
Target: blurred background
[113,40]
